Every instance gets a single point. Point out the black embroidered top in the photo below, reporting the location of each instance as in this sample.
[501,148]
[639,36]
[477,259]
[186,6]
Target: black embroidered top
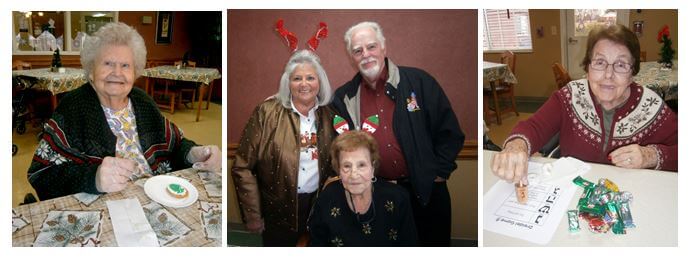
[77,138]
[389,222]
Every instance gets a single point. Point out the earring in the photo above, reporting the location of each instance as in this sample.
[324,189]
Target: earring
[374,179]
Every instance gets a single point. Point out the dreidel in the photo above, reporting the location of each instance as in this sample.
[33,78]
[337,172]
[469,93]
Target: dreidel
[521,192]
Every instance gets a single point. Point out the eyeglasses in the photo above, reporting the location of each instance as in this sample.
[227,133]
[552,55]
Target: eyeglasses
[618,67]
[359,51]
[349,168]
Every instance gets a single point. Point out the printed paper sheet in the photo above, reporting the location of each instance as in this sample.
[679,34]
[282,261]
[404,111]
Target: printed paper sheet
[549,196]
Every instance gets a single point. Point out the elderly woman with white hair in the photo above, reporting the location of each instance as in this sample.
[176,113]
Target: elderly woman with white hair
[284,153]
[107,133]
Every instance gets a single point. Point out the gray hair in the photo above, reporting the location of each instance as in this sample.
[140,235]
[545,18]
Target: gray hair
[113,34]
[299,58]
[373,25]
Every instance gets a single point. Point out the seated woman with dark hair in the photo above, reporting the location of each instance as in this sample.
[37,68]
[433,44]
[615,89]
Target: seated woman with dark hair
[360,210]
[604,118]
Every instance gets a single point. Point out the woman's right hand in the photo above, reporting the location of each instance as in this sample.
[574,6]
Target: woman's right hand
[255,226]
[114,174]
[512,163]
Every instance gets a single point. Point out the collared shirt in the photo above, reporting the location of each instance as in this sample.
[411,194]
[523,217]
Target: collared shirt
[123,124]
[377,102]
[308,169]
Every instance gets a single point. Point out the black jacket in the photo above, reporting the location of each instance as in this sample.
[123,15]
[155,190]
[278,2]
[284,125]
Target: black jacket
[389,221]
[430,138]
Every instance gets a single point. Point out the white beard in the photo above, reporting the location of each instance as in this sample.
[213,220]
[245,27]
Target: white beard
[372,72]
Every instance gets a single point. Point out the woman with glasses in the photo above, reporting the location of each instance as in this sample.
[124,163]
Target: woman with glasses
[604,118]
[360,210]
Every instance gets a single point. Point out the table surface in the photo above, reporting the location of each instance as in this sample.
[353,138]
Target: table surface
[54,82]
[193,74]
[191,216]
[495,71]
[664,82]
[654,209]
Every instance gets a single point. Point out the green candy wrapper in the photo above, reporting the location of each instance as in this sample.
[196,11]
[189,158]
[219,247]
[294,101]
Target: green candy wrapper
[582,182]
[573,221]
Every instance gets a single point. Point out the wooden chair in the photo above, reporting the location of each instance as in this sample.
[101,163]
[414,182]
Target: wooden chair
[21,65]
[643,56]
[487,112]
[562,77]
[186,87]
[160,90]
[503,90]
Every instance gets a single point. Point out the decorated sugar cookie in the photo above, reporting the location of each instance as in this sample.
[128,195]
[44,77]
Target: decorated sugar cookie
[177,190]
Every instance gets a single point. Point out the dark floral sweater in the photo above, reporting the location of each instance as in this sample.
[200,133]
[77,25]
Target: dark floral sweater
[77,138]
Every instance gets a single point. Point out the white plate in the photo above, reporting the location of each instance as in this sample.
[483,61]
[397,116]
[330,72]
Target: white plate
[156,189]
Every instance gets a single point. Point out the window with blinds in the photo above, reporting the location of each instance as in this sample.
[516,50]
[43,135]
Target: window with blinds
[506,29]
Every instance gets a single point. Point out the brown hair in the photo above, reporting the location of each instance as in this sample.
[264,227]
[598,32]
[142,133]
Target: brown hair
[353,140]
[618,34]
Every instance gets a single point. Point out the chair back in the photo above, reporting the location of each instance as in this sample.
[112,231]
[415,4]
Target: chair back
[643,56]
[562,77]
[509,58]
[21,65]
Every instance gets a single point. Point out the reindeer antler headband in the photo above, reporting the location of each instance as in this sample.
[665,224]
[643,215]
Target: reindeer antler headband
[292,41]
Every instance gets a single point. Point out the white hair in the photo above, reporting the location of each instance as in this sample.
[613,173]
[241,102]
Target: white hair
[299,58]
[367,24]
[116,33]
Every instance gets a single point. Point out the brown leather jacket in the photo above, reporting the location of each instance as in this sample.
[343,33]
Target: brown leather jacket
[265,167]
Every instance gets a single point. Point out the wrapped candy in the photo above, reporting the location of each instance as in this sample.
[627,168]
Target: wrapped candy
[625,215]
[608,184]
[597,193]
[604,207]
[611,215]
[582,182]
[597,225]
[625,196]
[573,221]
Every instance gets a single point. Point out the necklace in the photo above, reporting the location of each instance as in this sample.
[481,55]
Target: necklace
[365,225]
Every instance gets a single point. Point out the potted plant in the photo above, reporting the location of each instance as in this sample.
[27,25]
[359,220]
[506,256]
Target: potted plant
[666,53]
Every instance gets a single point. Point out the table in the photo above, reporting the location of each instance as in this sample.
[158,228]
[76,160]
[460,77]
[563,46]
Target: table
[207,209]
[492,72]
[193,74]
[664,82]
[53,82]
[654,209]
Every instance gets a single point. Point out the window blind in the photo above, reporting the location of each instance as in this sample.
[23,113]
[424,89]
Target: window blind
[506,32]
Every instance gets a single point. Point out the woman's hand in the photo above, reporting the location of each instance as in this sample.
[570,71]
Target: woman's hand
[512,163]
[114,174]
[255,226]
[205,158]
[634,156]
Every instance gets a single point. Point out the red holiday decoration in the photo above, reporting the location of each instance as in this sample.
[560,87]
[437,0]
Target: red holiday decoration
[663,32]
[289,37]
[666,52]
[321,33]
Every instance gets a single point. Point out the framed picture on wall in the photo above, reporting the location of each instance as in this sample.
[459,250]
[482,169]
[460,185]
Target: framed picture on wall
[163,34]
